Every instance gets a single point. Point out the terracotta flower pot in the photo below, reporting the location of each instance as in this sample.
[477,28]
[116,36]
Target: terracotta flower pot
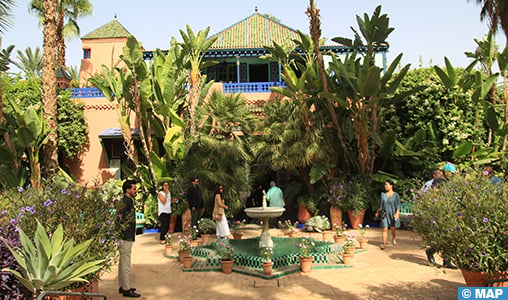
[363,244]
[335,217]
[356,217]
[172,223]
[291,234]
[205,238]
[187,262]
[194,243]
[326,235]
[347,258]
[267,267]
[303,214]
[182,254]
[169,250]
[478,279]
[305,264]
[227,266]
[237,235]
[92,287]
[338,239]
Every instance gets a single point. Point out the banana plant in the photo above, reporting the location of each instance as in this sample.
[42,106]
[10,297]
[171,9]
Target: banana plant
[51,263]
[31,134]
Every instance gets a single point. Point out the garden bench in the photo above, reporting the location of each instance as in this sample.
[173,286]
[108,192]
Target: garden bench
[140,222]
[406,212]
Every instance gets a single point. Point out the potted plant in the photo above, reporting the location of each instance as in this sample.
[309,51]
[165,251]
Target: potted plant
[291,227]
[267,253]
[338,193]
[184,247]
[226,256]
[363,240]
[307,207]
[51,263]
[206,226]
[349,244]
[187,262]
[168,242]
[465,220]
[340,231]
[236,228]
[357,200]
[192,234]
[305,248]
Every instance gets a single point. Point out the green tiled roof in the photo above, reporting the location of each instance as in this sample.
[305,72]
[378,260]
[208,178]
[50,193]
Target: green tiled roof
[112,29]
[254,31]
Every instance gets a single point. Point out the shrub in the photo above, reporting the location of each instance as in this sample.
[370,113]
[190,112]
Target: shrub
[84,214]
[465,219]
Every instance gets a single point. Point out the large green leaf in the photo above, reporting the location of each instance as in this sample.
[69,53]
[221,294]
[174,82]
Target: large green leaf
[318,170]
[464,149]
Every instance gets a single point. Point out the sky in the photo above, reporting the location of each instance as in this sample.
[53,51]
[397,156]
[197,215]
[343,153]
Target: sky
[425,31]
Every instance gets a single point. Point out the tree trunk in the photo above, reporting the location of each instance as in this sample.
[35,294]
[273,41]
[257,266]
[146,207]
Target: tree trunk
[60,42]
[50,159]
[193,100]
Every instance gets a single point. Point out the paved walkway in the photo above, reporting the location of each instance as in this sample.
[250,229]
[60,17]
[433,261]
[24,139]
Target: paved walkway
[399,272]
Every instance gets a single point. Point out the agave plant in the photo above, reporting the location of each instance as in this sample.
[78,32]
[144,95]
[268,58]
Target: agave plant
[52,263]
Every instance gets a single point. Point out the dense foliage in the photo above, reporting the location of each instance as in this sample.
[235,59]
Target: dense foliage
[465,220]
[83,212]
[10,287]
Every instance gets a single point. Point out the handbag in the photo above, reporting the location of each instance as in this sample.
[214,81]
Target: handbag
[217,217]
[382,214]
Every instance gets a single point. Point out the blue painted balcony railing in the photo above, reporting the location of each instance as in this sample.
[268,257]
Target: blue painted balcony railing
[86,93]
[250,87]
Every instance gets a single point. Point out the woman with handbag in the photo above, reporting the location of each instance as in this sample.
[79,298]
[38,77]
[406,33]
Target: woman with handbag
[218,215]
[388,212]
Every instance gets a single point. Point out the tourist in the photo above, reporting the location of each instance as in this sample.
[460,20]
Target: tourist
[489,172]
[219,216]
[127,219]
[388,211]
[195,200]
[436,173]
[164,210]
[274,196]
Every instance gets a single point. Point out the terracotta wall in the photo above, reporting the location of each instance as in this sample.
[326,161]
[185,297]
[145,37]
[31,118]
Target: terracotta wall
[103,52]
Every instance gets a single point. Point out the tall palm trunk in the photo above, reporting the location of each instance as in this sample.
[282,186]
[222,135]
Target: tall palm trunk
[315,32]
[50,159]
[60,42]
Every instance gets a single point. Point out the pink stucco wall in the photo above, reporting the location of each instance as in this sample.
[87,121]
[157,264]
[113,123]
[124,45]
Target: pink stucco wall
[103,52]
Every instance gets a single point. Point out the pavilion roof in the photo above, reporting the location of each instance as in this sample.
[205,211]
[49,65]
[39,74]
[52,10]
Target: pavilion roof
[255,31]
[112,29]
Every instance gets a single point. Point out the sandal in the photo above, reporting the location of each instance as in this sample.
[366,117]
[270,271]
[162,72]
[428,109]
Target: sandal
[394,242]
[382,247]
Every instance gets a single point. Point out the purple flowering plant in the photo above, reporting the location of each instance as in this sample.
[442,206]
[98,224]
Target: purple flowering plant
[465,220]
[84,212]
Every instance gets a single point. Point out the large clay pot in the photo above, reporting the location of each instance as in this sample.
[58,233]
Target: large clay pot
[335,217]
[356,217]
[303,214]
[172,223]
[478,279]
[227,266]
[92,287]
[205,238]
[267,267]
[306,264]
[186,219]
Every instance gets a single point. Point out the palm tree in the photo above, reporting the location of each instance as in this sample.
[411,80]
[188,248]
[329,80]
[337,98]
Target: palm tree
[49,22]
[496,11]
[68,11]
[30,62]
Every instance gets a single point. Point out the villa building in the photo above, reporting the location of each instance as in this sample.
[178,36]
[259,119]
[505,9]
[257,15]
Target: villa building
[239,69]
